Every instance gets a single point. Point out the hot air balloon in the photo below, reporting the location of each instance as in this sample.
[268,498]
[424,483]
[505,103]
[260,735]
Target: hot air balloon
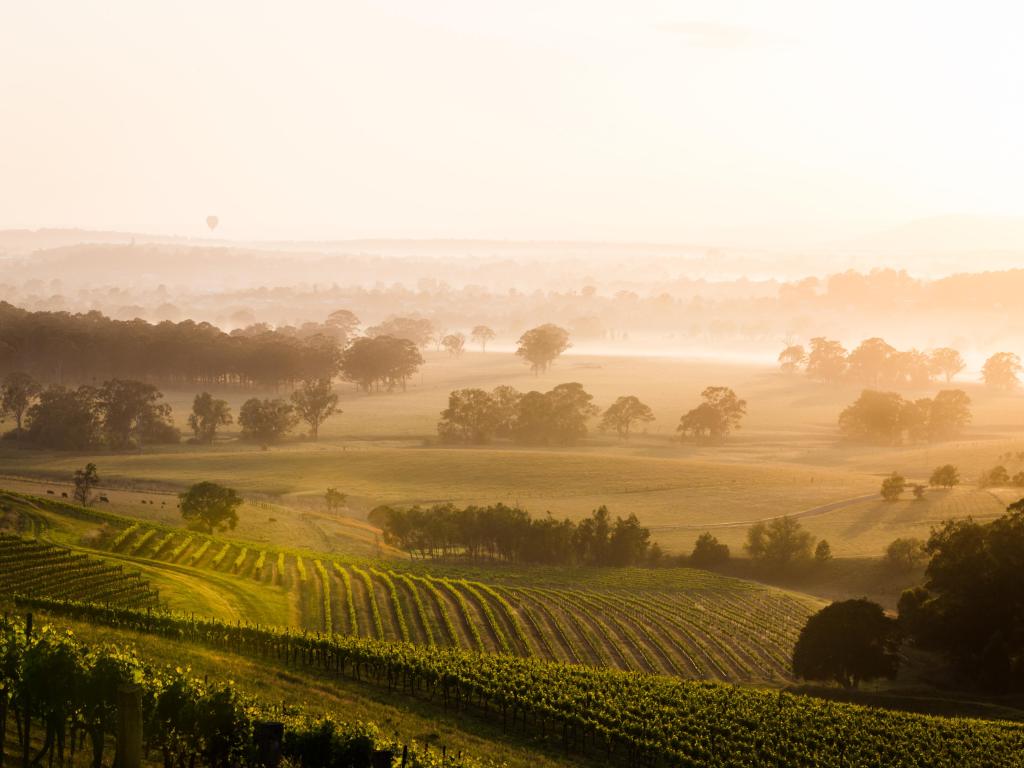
[211,222]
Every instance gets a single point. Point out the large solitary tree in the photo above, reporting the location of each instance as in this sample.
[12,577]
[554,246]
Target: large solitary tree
[481,335]
[541,345]
[17,394]
[454,344]
[266,421]
[1001,371]
[713,420]
[947,362]
[85,479]
[210,506]
[315,402]
[208,413]
[848,642]
[623,414]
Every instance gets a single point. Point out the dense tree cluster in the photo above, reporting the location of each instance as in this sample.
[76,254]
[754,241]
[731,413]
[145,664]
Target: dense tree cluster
[779,544]
[873,363]
[888,418]
[713,420]
[119,414]
[60,347]
[375,363]
[848,642]
[500,532]
[418,330]
[558,416]
[971,607]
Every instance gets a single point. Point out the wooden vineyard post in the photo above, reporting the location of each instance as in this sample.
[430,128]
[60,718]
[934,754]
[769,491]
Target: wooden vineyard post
[267,737]
[129,727]
[27,750]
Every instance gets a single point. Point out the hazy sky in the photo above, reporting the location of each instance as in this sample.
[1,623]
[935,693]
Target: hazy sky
[638,120]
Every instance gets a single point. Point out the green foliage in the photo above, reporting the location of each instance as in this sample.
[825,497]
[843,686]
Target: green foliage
[92,347]
[848,642]
[621,415]
[73,688]
[647,719]
[996,477]
[708,552]
[509,533]
[334,499]
[713,420]
[266,421]
[380,362]
[416,330]
[314,403]
[905,554]
[540,346]
[779,544]
[17,393]
[893,486]
[972,608]
[946,476]
[558,416]
[85,479]
[454,344]
[208,413]
[1002,370]
[45,570]
[886,417]
[209,506]
[792,357]
[64,419]
[131,414]
[826,361]
[481,335]
[822,552]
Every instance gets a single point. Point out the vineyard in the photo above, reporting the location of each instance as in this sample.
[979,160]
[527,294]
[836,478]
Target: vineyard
[61,690]
[703,626]
[622,718]
[681,622]
[32,568]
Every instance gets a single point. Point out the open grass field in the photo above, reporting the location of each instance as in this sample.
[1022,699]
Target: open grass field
[786,458]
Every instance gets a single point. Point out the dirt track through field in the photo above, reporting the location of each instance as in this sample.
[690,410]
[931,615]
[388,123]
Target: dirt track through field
[812,512]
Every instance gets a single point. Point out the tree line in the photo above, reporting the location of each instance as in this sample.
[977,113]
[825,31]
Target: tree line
[125,414]
[876,363]
[889,419]
[561,415]
[510,534]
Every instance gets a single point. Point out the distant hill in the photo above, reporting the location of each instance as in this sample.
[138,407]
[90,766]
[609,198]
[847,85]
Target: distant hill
[948,234]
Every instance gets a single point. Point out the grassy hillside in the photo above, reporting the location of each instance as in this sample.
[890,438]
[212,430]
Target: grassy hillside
[679,622]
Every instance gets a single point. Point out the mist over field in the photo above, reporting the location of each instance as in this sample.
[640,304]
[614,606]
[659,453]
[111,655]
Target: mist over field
[462,385]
